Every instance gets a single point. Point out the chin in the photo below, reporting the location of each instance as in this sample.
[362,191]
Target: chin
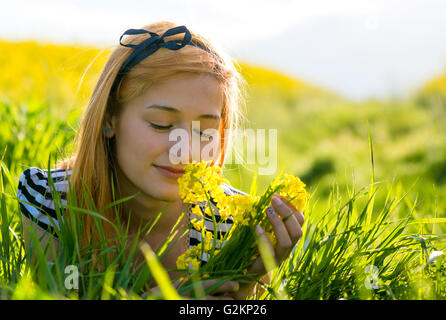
[167,193]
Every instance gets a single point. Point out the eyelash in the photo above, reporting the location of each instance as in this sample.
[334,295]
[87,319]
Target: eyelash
[158,127]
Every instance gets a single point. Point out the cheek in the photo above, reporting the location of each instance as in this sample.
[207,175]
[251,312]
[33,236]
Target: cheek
[137,145]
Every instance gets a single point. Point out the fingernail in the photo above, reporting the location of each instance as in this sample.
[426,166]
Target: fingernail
[276,201]
[270,211]
[259,230]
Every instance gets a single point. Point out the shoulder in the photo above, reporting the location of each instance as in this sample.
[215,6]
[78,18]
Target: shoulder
[36,197]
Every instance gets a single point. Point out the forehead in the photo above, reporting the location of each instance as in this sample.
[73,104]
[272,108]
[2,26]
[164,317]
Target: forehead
[190,94]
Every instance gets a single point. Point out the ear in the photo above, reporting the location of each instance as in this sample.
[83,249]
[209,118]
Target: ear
[110,124]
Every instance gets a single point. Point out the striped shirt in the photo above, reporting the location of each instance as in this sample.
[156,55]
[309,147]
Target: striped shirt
[37,203]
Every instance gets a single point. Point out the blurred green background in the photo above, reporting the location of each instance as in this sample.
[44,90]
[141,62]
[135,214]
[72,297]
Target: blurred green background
[322,137]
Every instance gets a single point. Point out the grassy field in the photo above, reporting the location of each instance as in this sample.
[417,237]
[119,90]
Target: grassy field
[376,172]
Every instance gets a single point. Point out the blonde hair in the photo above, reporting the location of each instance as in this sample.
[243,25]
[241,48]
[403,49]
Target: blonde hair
[94,161]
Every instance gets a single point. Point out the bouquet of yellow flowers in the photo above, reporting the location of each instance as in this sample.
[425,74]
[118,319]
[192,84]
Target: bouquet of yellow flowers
[229,253]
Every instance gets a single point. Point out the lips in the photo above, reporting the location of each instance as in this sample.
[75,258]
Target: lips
[176,170]
[170,172]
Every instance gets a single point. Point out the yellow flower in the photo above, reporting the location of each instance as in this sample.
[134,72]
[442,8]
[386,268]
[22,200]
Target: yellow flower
[207,209]
[198,224]
[213,179]
[208,241]
[272,238]
[197,211]
[183,261]
[197,180]
[190,188]
[240,207]
[194,264]
[294,190]
[224,213]
[222,200]
[189,259]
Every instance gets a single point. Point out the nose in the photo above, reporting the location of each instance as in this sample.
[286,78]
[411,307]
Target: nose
[184,146]
[194,153]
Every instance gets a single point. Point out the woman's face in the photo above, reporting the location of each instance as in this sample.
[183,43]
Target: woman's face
[142,132]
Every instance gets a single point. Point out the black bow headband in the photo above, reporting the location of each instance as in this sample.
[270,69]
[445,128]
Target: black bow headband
[151,45]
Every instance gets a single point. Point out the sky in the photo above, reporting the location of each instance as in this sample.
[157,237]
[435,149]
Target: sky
[357,48]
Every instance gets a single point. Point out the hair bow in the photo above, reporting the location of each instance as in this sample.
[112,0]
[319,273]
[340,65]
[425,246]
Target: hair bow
[151,45]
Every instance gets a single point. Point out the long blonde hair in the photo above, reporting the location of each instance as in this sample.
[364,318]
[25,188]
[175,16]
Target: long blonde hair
[94,160]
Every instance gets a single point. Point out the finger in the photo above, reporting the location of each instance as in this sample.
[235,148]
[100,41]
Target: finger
[284,243]
[299,215]
[293,227]
[217,298]
[228,286]
[258,267]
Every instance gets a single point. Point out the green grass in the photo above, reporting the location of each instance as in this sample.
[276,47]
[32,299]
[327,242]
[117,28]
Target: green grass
[329,262]
[107,277]
[353,233]
[388,213]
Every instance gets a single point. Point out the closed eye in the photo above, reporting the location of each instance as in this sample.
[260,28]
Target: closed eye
[201,133]
[158,127]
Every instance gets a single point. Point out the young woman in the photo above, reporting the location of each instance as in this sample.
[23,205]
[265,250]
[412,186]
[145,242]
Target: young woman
[161,78]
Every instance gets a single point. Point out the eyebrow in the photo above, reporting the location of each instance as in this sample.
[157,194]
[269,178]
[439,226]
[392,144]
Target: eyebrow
[171,109]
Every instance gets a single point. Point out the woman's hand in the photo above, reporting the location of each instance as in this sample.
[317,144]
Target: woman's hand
[287,224]
[222,292]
